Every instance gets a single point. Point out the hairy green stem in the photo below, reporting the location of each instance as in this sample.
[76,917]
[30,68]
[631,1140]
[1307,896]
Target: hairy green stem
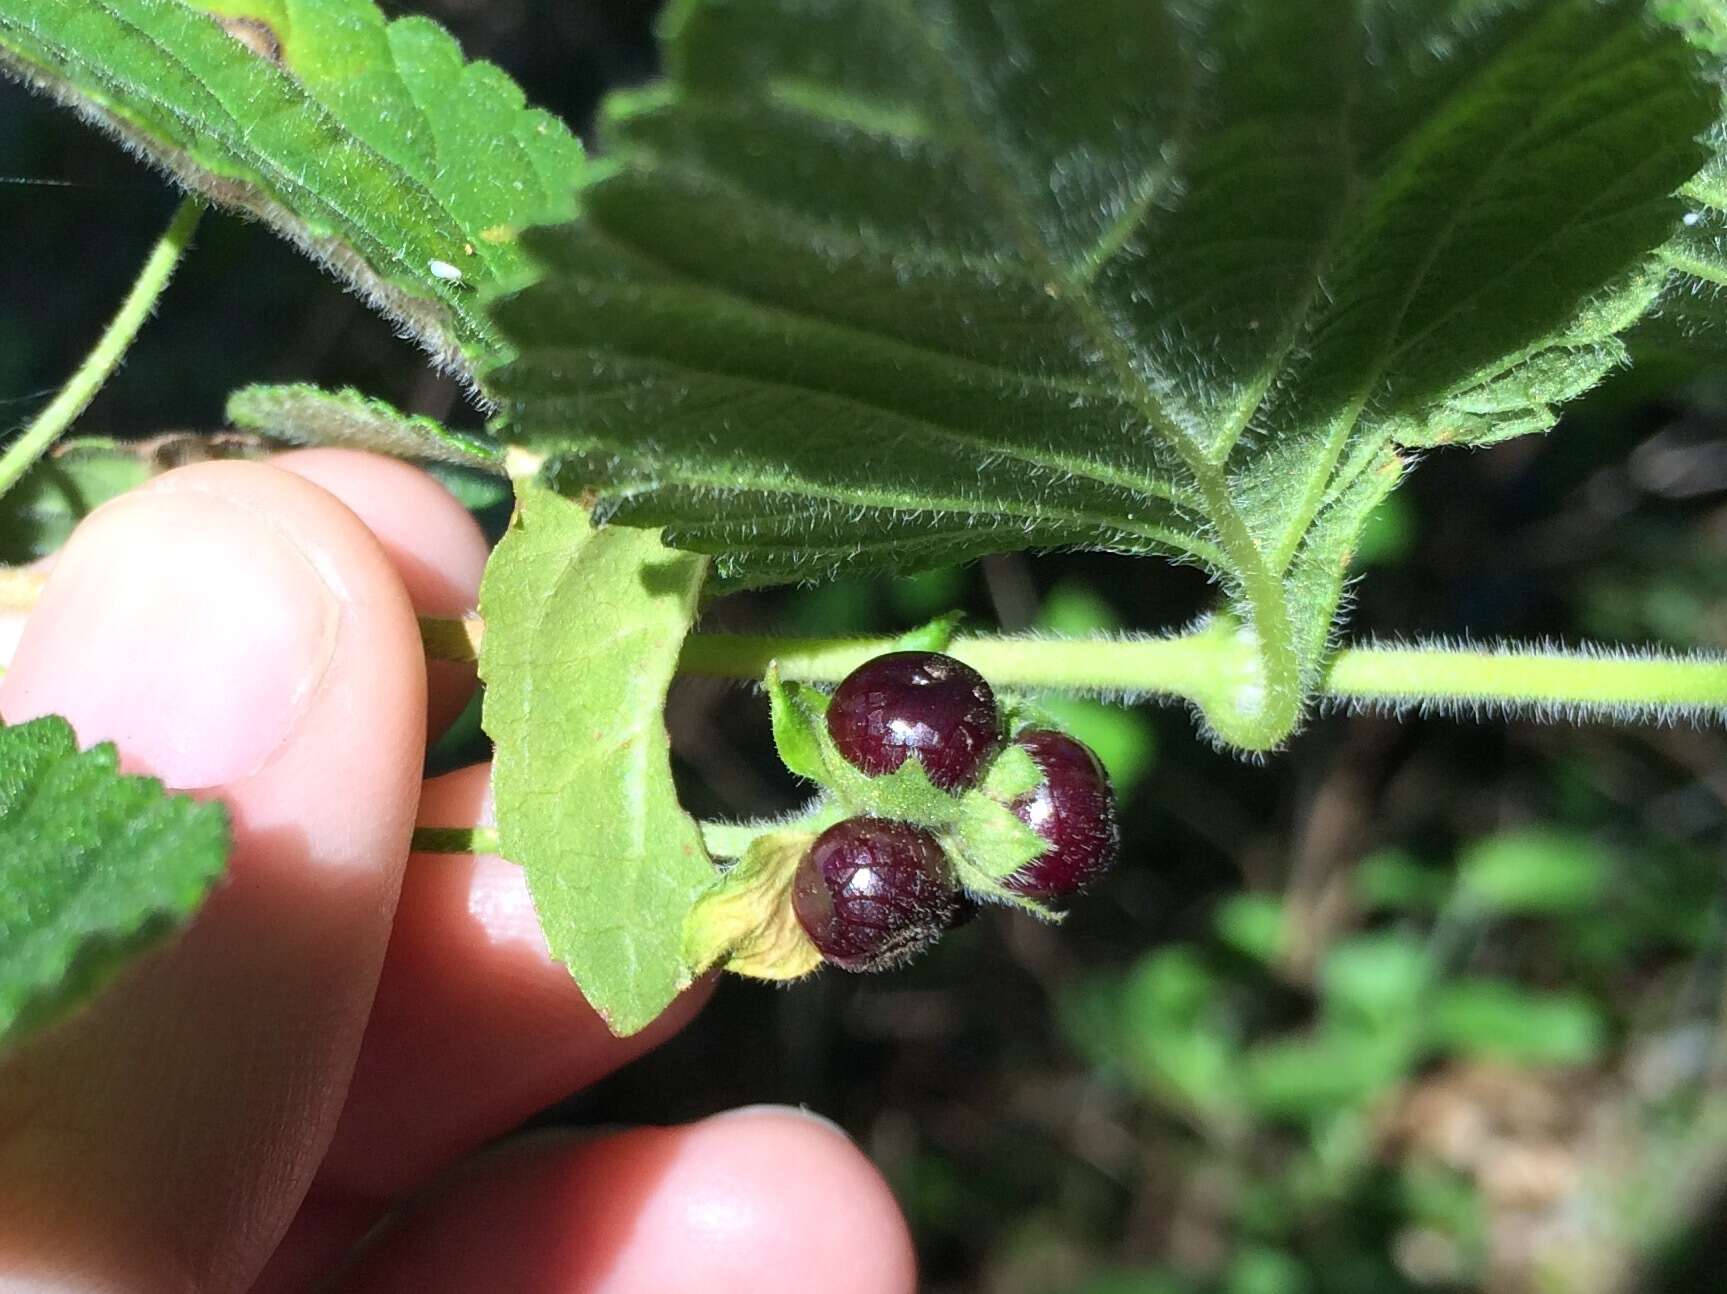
[47,427]
[1514,680]
[1517,680]
[1542,682]
[454,840]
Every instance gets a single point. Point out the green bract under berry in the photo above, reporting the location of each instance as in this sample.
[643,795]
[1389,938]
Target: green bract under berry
[1074,812]
[916,703]
[872,892]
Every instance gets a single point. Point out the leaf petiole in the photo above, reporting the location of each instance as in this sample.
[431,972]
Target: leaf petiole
[99,365]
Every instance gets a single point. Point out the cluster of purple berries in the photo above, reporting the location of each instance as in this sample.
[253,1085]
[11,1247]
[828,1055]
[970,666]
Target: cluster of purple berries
[870,892]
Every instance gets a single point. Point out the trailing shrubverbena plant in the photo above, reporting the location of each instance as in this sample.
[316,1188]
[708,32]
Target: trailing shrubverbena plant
[867,285]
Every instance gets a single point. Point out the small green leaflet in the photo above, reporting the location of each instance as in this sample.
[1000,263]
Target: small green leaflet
[583,632]
[306,415]
[1162,278]
[37,515]
[373,145]
[94,868]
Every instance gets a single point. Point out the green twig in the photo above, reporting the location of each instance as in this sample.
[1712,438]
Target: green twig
[454,840]
[1512,680]
[47,427]
[1506,679]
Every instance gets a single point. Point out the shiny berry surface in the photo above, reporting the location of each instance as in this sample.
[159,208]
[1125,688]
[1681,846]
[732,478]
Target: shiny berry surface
[1073,810]
[871,892]
[916,702]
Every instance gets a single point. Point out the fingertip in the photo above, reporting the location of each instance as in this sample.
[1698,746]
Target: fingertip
[472,1013]
[436,546]
[238,632]
[766,1200]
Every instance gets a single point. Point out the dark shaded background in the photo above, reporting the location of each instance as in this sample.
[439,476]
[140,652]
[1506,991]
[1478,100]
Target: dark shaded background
[1025,1161]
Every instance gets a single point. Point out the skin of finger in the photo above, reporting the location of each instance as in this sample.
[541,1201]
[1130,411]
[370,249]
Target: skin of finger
[434,543]
[473,1016]
[758,1201]
[163,1138]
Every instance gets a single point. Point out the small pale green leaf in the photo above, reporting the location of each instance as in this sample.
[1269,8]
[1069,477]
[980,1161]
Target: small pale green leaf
[992,844]
[81,474]
[796,712]
[1316,1076]
[373,145]
[1255,925]
[308,415]
[1376,978]
[1137,275]
[583,632]
[1076,610]
[1011,774]
[1495,1020]
[37,515]
[1392,879]
[1532,873]
[1179,1031]
[933,636]
[95,867]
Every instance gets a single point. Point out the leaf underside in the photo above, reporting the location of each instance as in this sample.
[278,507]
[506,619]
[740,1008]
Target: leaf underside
[373,145]
[94,867]
[349,419]
[583,632]
[893,283]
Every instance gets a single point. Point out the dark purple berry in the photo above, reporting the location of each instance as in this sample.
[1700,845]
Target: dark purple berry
[916,703]
[1073,810]
[870,892]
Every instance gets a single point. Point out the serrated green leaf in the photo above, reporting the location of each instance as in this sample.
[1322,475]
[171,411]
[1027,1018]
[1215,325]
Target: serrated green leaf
[1685,329]
[371,144]
[308,415]
[584,627]
[95,867]
[1160,278]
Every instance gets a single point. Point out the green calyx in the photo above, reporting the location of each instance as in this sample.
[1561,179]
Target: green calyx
[985,841]
[746,923]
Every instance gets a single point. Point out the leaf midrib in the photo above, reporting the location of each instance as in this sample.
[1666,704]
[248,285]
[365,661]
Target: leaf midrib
[1260,587]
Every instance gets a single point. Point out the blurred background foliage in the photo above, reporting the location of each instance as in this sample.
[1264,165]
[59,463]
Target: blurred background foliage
[1416,1006]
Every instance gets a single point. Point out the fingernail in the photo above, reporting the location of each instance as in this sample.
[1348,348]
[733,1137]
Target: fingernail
[780,1112]
[183,627]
